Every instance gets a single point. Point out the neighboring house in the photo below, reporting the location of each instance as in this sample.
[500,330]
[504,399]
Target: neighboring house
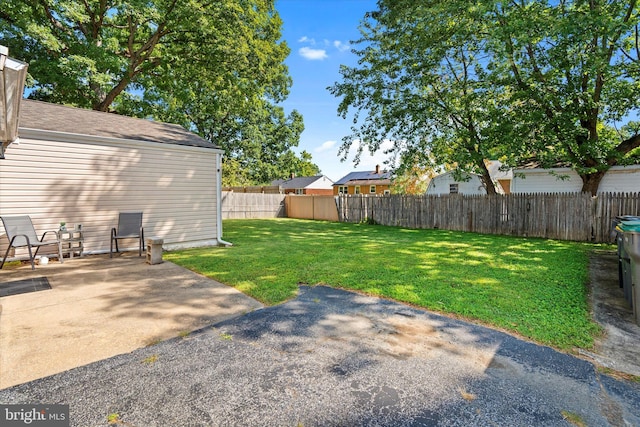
[370,182]
[503,178]
[83,167]
[531,179]
[445,183]
[472,184]
[320,185]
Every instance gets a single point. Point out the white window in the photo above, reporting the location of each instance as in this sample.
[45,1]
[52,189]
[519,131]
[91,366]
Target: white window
[453,188]
[372,189]
[357,189]
[387,192]
[299,191]
[342,189]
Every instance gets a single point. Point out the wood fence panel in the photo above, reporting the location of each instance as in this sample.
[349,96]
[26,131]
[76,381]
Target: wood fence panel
[318,207]
[299,206]
[266,189]
[252,205]
[568,216]
[563,216]
[324,208]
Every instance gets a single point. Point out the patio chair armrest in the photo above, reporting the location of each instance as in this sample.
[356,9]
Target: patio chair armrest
[19,235]
[56,232]
[113,232]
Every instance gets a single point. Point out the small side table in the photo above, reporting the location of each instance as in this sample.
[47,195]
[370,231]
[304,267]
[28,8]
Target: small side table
[72,242]
[154,250]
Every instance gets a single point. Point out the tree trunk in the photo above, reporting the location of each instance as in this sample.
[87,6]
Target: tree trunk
[111,96]
[591,182]
[486,180]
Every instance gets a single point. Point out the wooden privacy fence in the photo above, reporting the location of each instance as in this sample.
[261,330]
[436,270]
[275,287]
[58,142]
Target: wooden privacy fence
[312,207]
[267,189]
[566,216]
[252,205]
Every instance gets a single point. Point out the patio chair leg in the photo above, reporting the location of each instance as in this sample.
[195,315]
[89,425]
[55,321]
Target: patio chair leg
[113,239]
[5,257]
[60,252]
[33,267]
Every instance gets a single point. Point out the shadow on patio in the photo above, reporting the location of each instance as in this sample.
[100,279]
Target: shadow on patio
[99,307]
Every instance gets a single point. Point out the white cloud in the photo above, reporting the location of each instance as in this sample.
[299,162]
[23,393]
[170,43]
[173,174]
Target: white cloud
[336,44]
[327,145]
[313,54]
[342,47]
[305,39]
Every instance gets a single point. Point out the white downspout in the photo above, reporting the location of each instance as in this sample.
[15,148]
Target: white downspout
[219,203]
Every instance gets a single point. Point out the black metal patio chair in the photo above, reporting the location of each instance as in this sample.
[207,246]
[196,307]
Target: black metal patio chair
[21,233]
[129,227]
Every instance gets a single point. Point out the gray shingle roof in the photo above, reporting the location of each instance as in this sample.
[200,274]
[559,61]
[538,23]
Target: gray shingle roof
[60,118]
[297,182]
[363,176]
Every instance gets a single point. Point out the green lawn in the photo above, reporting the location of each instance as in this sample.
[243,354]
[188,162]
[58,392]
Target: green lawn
[535,287]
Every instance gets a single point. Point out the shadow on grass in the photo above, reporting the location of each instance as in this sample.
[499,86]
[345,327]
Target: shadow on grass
[535,287]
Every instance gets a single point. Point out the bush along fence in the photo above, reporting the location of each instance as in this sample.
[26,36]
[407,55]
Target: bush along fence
[563,216]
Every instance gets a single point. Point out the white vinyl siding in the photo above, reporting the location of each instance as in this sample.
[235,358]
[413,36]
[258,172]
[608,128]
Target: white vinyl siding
[617,179]
[89,181]
[444,184]
[323,183]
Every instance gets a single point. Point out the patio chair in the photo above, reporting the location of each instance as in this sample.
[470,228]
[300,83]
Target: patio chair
[129,227]
[20,233]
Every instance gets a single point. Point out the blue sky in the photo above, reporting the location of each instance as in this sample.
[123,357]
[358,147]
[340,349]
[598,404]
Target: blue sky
[319,32]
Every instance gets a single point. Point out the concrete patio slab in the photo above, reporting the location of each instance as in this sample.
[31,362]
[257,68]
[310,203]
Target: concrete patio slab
[100,307]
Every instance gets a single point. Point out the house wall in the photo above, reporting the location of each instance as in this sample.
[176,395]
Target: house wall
[625,179]
[505,184]
[57,177]
[323,183]
[439,185]
[319,191]
[310,191]
[364,189]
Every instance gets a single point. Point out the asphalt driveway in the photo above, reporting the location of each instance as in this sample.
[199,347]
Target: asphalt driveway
[336,358]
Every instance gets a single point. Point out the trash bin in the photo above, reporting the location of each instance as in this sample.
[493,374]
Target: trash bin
[631,234]
[154,250]
[616,221]
[624,262]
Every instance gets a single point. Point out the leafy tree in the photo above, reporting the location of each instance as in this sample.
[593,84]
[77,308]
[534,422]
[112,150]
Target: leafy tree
[216,68]
[464,81]
[420,83]
[571,68]
[299,166]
